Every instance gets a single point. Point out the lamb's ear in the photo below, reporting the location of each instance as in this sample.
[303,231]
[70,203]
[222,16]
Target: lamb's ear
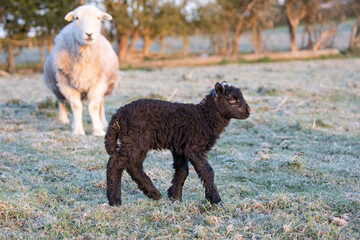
[70,16]
[225,83]
[106,16]
[220,89]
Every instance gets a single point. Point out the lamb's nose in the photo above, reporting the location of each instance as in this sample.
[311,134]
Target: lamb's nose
[88,34]
[248,109]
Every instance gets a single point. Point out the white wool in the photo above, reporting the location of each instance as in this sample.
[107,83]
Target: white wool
[82,62]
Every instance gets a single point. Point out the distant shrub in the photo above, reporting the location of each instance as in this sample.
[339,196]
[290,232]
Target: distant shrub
[16,102]
[266,91]
[321,123]
[48,103]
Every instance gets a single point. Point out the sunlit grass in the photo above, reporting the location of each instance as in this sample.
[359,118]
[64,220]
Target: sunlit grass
[290,171]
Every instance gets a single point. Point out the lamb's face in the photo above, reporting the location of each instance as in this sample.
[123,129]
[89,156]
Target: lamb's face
[87,23]
[230,101]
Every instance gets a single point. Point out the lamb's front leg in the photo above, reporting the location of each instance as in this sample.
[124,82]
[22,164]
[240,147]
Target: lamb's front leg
[206,174]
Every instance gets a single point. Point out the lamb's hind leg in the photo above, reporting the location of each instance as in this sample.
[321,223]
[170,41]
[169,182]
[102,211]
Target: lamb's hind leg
[135,170]
[115,167]
[181,172]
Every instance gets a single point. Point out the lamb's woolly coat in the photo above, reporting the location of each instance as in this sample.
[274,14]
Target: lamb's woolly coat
[188,130]
[74,71]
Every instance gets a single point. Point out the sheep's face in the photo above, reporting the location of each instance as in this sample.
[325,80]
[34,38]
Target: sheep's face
[230,101]
[87,23]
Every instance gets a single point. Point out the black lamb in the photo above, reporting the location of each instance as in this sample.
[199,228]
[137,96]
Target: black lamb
[189,131]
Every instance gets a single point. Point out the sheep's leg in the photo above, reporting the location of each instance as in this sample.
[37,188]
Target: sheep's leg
[95,95]
[76,107]
[102,114]
[74,99]
[94,108]
[135,170]
[206,174]
[115,167]
[181,172]
[63,113]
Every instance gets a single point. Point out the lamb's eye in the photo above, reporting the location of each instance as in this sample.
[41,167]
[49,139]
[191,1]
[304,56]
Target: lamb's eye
[232,100]
[76,18]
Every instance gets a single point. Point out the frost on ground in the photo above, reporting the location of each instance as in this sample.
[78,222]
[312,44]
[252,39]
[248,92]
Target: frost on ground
[290,171]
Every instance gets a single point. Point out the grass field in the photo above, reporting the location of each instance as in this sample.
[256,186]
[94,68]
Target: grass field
[290,171]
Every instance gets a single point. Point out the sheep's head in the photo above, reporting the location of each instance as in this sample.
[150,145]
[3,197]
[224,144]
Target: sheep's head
[230,101]
[87,23]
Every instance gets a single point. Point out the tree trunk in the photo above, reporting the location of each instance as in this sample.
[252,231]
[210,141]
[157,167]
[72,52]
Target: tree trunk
[213,43]
[147,45]
[325,38]
[122,46]
[310,34]
[225,40]
[256,38]
[163,46]
[355,36]
[50,44]
[185,46]
[236,38]
[135,36]
[293,34]
[235,44]
[42,55]
[11,58]
[147,41]
[305,31]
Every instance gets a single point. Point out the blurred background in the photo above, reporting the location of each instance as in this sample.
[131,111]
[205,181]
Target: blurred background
[148,30]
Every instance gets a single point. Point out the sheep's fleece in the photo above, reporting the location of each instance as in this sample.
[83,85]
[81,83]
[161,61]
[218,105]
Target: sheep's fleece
[82,65]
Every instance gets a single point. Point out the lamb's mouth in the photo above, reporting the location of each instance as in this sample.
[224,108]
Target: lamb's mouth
[89,39]
[245,116]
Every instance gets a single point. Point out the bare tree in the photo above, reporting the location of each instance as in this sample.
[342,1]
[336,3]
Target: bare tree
[295,11]
[145,16]
[355,33]
[123,23]
[310,18]
[261,17]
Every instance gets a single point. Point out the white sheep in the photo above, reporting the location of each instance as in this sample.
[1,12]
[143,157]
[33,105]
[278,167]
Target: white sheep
[82,65]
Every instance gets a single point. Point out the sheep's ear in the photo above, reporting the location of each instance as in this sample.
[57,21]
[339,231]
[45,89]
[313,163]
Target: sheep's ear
[70,16]
[106,16]
[220,89]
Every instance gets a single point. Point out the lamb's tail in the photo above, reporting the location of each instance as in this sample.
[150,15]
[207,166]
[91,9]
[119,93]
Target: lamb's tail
[112,134]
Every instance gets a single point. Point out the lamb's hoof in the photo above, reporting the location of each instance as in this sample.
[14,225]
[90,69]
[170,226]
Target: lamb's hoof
[174,196]
[98,133]
[114,203]
[154,195]
[214,199]
[78,132]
